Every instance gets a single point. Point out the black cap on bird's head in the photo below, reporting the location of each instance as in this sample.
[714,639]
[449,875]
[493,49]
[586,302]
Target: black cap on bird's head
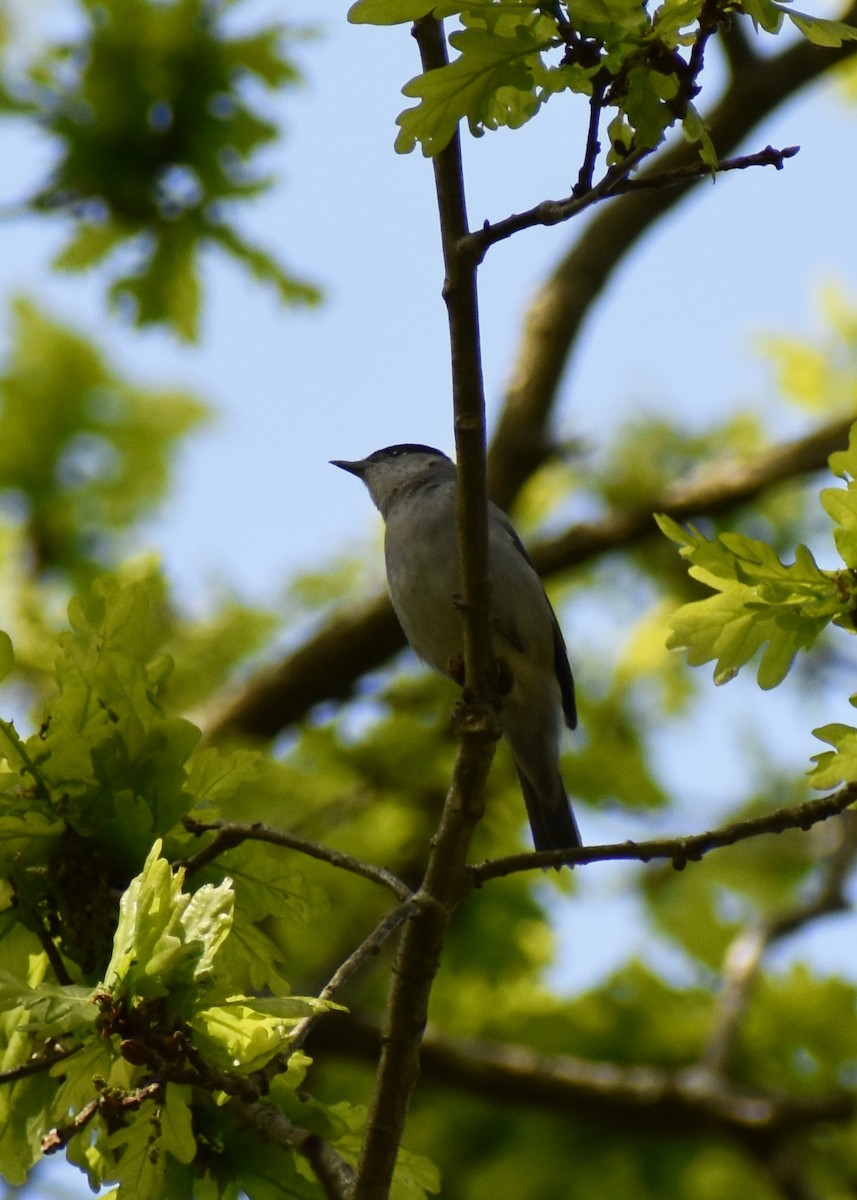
[404,449]
[396,470]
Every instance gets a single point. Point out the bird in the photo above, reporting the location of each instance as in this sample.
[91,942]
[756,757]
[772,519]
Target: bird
[414,487]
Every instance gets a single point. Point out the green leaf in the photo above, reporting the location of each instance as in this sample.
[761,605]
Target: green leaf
[167,939]
[839,765]
[89,451]
[291,290]
[647,104]
[51,1009]
[766,13]
[490,83]
[759,602]
[177,1123]
[819,30]
[155,130]
[695,130]
[140,1166]
[244,1034]
[89,245]
[840,504]
[395,12]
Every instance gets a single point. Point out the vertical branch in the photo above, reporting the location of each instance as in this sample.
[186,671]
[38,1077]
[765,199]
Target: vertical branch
[446,881]
[462,305]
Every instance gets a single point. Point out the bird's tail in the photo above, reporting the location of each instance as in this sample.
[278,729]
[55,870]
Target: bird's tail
[551,818]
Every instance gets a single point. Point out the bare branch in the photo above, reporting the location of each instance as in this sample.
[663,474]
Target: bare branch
[368,948]
[616,182]
[233,833]
[42,1062]
[681,850]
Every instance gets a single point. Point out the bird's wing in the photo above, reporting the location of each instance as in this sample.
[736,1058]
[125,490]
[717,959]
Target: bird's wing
[562,667]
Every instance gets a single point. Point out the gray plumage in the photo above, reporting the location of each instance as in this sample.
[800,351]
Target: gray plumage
[414,488]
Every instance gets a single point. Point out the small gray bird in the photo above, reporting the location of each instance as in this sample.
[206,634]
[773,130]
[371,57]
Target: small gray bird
[414,487]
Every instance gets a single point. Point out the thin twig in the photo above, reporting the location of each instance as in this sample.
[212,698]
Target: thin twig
[769,157]
[555,212]
[593,145]
[617,183]
[232,833]
[111,1099]
[52,952]
[565,298]
[680,850]
[368,948]
[37,1064]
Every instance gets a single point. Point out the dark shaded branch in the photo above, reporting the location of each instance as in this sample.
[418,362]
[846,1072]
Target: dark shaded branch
[37,1064]
[325,667]
[329,664]
[332,1171]
[368,948]
[685,1102]
[724,487]
[681,850]
[230,834]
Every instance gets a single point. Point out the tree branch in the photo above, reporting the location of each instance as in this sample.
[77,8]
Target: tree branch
[661,1102]
[445,881]
[681,850]
[332,1171]
[329,664]
[38,1063]
[616,182]
[232,833]
[110,1100]
[368,948]
[724,487]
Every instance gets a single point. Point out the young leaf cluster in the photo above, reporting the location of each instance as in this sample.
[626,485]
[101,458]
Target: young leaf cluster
[759,602]
[512,56]
[157,137]
[136,1003]
[84,452]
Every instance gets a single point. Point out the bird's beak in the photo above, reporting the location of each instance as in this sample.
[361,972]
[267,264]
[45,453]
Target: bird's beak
[353,468]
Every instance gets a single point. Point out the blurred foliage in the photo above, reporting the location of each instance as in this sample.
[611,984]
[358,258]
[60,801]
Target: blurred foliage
[142,986]
[82,454]
[157,138]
